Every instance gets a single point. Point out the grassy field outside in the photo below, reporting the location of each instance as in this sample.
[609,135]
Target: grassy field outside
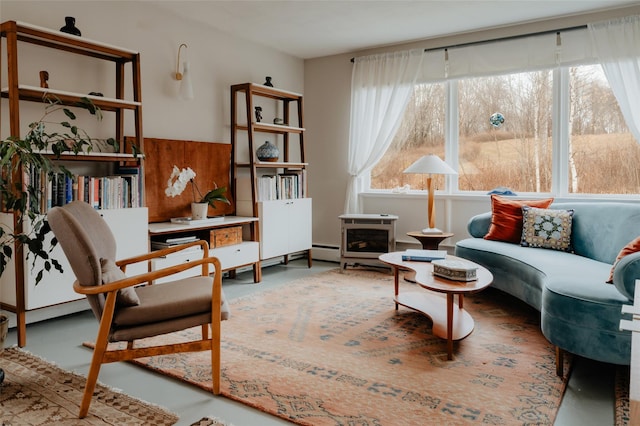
[604,164]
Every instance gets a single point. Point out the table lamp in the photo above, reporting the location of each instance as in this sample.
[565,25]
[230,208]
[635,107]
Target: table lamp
[431,165]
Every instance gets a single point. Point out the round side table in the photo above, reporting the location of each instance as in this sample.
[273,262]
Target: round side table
[430,241]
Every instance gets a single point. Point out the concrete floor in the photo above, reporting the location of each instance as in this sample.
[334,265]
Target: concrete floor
[588,400]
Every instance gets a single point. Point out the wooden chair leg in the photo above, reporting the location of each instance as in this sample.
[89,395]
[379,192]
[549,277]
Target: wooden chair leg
[559,362]
[102,340]
[92,377]
[215,357]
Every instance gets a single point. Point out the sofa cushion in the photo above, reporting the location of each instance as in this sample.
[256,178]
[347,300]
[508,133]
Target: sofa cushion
[632,247]
[546,228]
[506,218]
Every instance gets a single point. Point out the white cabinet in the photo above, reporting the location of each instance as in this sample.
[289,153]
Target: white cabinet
[129,227]
[230,257]
[177,259]
[243,251]
[285,226]
[234,256]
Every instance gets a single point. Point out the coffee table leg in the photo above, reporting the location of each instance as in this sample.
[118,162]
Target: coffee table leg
[396,277]
[450,326]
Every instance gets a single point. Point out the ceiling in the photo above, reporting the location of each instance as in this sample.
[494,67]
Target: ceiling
[315,28]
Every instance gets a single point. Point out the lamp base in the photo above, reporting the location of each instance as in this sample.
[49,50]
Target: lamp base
[430,231]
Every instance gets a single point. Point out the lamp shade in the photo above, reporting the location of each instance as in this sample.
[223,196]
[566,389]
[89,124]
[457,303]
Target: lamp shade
[430,164]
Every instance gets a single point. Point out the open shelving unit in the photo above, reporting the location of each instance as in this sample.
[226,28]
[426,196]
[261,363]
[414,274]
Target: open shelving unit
[17,289]
[285,220]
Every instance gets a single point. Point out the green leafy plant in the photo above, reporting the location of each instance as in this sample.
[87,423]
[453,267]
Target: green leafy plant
[38,150]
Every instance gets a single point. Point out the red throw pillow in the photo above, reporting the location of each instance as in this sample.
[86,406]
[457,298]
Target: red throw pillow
[506,217]
[632,247]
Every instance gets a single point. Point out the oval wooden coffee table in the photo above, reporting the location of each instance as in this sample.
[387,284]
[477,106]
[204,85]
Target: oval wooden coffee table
[450,321]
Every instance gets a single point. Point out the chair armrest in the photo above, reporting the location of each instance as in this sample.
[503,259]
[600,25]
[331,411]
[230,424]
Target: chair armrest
[147,277]
[122,263]
[625,274]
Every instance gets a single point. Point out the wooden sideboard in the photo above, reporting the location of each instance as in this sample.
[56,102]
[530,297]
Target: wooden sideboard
[245,252]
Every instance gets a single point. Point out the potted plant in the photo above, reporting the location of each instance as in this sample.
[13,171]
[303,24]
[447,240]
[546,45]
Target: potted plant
[19,195]
[178,182]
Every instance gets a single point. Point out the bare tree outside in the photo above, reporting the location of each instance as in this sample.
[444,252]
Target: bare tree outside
[517,154]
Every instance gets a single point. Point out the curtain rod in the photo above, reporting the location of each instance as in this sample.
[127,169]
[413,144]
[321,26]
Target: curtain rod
[474,43]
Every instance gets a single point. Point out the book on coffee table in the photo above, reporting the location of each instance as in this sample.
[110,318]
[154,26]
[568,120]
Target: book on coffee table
[417,255]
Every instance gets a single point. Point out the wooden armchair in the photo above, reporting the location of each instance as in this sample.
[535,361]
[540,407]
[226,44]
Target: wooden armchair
[126,313]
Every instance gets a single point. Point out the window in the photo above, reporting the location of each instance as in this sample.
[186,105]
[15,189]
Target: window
[601,155]
[514,151]
[420,133]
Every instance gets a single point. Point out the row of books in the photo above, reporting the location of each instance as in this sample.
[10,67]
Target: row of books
[101,192]
[283,186]
[176,241]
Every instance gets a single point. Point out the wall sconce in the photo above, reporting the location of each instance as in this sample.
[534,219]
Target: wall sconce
[184,77]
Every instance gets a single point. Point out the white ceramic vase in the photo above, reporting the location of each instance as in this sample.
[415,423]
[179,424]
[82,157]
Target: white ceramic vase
[199,210]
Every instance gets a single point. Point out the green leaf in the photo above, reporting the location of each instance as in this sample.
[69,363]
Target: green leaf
[69,113]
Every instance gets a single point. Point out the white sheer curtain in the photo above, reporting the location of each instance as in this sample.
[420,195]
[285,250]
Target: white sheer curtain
[617,47]
[381,86]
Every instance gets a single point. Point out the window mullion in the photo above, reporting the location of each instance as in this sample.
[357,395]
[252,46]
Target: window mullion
[451,147]
[560,130]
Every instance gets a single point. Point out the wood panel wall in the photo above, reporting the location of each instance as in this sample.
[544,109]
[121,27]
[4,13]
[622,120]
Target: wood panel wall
[209,160]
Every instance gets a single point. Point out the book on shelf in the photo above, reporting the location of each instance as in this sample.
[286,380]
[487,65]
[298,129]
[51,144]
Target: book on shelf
[282,186]
[189,221]
[101,192]
[159,245]
[181,240]
[419,255]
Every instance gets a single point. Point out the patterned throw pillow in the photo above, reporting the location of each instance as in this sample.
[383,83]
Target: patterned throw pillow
[546,228]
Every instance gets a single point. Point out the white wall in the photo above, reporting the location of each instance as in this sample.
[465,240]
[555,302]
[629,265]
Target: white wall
[327,102]
[217,61]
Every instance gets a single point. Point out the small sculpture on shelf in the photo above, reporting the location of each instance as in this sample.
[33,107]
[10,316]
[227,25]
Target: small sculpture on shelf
[258,114]
[70,26]
[268,82]
[44,78]
[278,121]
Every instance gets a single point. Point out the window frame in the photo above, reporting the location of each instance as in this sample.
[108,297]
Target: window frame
[560,146]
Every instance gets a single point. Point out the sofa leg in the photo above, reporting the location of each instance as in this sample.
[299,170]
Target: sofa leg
[559,361]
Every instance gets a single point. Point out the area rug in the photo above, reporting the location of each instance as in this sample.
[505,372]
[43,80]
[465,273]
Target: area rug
[622,396]
[36,392]
[331,349]
[210,421]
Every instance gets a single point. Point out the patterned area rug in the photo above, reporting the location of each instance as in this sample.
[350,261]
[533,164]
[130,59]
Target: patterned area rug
[622,396]
[210,421]
[36,392]
[330,349]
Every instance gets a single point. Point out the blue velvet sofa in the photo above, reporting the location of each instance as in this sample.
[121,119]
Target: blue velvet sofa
[580,312]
